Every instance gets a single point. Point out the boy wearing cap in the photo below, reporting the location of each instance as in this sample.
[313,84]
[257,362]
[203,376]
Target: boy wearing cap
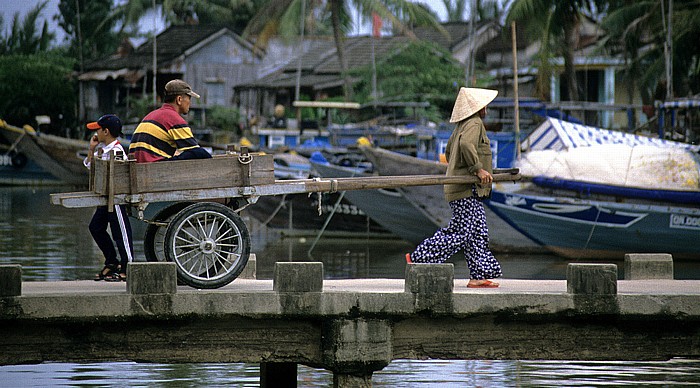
[164,134]
[468,153]
[103,143]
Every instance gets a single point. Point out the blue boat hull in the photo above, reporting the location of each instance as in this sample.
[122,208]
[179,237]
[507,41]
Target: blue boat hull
[596,229]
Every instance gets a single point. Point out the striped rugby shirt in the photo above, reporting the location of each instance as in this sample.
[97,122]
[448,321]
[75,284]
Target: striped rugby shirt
[160,134]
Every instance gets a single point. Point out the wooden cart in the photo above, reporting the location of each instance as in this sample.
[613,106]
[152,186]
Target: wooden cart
[199,227]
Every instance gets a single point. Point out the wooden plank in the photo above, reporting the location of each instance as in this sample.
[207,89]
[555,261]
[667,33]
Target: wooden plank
[110,184]
[221,171]
[91,199]
[326,104]
[391,182]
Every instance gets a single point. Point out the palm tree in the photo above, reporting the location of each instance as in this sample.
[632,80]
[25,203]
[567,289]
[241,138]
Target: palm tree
[232,13]
[556,22]
[636,29]
[455,9]
[24,37]
[401,13]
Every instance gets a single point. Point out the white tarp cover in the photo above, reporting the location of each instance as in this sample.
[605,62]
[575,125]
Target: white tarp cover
[644,166]
[555,134]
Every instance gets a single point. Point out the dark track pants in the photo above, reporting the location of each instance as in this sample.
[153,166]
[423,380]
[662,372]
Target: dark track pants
[120,227]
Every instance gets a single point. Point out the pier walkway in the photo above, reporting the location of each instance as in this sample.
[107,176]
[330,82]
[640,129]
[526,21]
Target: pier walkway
[352,327]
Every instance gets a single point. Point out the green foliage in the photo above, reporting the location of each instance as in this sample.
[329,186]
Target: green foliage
[225,118]
[97,33]
[421,71]
[637,30]
[23,37]
[37,84]
[140,106]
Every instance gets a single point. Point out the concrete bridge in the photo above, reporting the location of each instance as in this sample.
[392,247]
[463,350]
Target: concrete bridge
[352,327]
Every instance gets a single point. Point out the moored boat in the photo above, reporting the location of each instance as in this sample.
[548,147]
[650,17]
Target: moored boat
[588,228]
[303,214]
[59,156]
[387,207]
[600,194]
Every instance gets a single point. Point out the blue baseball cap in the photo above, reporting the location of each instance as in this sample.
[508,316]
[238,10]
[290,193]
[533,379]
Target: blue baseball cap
[108,121]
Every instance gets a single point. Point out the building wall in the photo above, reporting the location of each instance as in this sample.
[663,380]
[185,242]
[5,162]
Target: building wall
[216,68]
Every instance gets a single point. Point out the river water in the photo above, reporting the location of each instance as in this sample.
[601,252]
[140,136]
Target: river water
[52,243]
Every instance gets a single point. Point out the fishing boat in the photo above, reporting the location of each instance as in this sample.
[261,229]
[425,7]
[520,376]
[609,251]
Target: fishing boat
[59,156]
[16,169]
[608,227]
[387,207]
[301,214]
[611,192]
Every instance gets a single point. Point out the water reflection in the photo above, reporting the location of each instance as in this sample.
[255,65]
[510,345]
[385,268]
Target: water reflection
[400,373]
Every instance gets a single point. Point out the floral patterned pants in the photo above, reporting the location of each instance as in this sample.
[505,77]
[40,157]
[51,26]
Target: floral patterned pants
[467,230]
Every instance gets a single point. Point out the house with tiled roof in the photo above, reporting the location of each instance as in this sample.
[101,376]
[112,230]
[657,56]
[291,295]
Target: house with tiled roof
[212,59]
[456,39]
[317,72]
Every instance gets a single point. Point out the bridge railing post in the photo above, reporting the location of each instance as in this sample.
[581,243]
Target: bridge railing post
[298,277]
[151,278]
[594,288]
[10,280]
[432,285]
[639,266]
[591,279]
[250,270]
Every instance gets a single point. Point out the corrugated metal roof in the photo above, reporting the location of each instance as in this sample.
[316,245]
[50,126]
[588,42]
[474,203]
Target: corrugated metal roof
[171,44]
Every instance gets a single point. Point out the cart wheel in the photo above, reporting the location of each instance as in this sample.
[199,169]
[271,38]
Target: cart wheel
[209,243]
[154,238]
[153,241]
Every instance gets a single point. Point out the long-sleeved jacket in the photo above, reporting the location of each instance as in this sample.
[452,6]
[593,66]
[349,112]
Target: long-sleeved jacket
[468,151]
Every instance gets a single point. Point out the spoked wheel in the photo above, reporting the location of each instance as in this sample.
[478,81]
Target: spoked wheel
[209,243]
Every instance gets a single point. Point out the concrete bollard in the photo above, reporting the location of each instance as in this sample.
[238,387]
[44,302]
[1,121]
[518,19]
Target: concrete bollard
[250,269]
[591,279]
[10,280]
[640,266]
[298,277]
[429,278]
[151,278]
[432,285]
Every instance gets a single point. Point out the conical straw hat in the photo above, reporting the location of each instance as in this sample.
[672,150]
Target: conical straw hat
[470,101]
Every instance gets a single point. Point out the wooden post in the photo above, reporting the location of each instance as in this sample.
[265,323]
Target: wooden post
[110,183]
[516,106]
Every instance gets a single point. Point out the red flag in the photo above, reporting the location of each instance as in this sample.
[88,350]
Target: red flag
[376,25]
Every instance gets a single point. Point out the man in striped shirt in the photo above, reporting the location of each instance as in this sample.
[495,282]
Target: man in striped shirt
[164,134]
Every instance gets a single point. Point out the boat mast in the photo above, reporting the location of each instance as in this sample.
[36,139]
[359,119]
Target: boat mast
[297,85]
[668,47]
[516,102]
[155,50]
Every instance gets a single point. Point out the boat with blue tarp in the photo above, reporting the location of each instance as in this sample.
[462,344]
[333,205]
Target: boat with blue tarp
[611,192]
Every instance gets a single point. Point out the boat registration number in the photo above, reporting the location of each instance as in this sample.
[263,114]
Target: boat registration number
[684,221]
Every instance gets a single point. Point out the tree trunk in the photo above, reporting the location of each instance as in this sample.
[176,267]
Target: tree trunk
[569,71]
[335,20]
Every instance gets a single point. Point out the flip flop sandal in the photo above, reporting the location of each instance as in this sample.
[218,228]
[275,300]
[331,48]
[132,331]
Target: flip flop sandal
[485,284]
[107,271]
[116,277]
